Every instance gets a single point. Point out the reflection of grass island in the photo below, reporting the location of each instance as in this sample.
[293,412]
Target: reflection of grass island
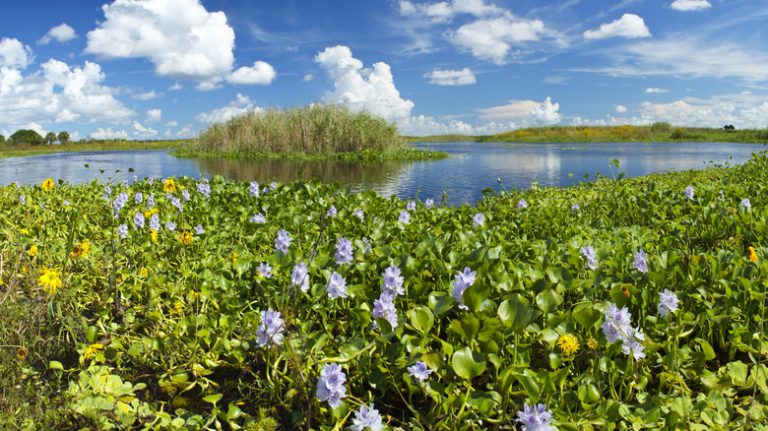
[309,132]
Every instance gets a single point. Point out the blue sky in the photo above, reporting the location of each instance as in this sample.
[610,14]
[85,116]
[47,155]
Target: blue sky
[158,69]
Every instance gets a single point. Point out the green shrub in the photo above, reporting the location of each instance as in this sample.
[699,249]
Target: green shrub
[308,129]
[26,136]
[2,139]
[678,133]
[661,126]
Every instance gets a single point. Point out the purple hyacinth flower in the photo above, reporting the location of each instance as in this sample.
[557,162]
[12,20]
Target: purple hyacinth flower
[122,231]
[462,281]
[344,252]
[271,329]
[199,229]
[589,253]
[367,418]
[404,217]
[258,219]
[265,270]
[746,204]
[204,188]
[535,418]
[521,204]
[138,220]
[478,220]
[420,371]
[429,203]
[668,302]
[330,385]
[689,192]
[332,212]
[253,190]
[283,241]
[300,276]
[154,222]
[384,308]
[641,262]
[138,198]
[336,286]
[359,214]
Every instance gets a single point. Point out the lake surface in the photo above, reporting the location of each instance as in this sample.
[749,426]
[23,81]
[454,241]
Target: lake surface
[471,168]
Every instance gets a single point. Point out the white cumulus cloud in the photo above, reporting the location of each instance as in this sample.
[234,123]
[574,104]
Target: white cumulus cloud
[524,113]
[14,54]
[690,5]
[154,115]
[58,93]
[629,26]
[656,90]
[140,131]
[61,33]
[621,109]
[261,73]
[492,39]
[241,105]
[180,37]
[451,77]
[445,10]
[108,133]
[149,95]
[360,88]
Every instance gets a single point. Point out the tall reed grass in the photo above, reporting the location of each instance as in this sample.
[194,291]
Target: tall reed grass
[314,129]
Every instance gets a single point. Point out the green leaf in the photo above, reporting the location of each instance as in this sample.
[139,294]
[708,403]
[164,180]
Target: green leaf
[706,349]
[531,385]
[468,364]
[55,365]
[213,398]
[548,300]
[475,295]
[737,371]
[586,315]
[515,313]
[421,319]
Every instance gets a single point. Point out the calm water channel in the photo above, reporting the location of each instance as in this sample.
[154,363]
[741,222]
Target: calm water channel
[471,168]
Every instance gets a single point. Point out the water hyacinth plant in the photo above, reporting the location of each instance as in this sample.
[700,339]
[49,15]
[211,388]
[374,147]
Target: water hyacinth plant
[330,385]
[438,324]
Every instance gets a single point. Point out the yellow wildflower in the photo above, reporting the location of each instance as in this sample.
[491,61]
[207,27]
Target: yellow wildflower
[169,185]
[32,252]
[177,307]
[81,250]
[24,269]
[592,344]
[24,231]
[185,238]
[21,353]
[91,350]
[143,273]
[752,254]
[233,256]
[151,212]
[153,235]
[48,184]
[568,344]
[50,280]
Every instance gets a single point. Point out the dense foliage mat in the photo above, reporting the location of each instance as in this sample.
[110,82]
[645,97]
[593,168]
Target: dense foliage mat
[182,304]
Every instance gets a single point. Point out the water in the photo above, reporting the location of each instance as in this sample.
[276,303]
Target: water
[471,168]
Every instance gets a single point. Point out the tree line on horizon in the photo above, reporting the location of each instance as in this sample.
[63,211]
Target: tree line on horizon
[31,137]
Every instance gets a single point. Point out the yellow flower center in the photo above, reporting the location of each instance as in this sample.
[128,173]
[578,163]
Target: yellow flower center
[50,280]
[568,344]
